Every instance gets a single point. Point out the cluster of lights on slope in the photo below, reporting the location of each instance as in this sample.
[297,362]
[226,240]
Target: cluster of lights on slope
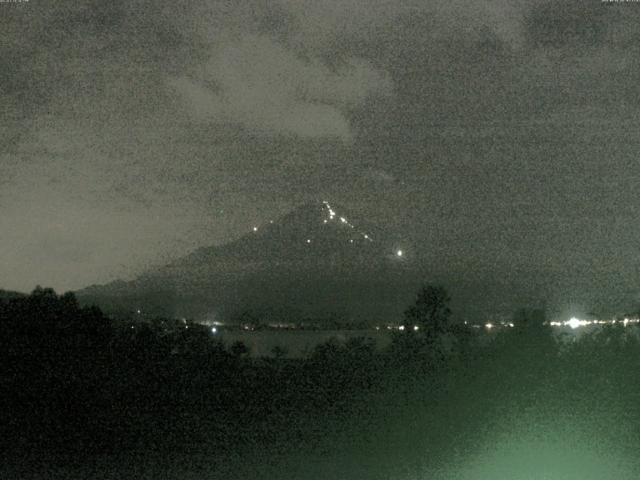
[333,216]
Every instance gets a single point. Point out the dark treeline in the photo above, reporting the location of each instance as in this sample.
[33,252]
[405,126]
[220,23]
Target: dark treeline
[75,381]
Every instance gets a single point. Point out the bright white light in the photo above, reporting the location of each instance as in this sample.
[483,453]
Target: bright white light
[366,236]
[138,312]
[575,323]
[416,328]
[489,326]
[343,220]
[351,240]
[308,240]
[255,229]
[324,221]
[401,328]
[214,330]
[399,253]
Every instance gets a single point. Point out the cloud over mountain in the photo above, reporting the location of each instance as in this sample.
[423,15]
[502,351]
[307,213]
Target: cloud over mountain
[259,84]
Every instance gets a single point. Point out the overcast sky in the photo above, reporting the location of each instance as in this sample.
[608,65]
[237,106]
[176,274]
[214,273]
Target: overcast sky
[498,134]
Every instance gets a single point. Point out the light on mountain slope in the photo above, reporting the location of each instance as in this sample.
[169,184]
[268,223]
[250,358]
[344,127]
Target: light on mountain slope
[331,216]
[343,220]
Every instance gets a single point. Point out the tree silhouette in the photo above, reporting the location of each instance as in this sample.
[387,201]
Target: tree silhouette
[431,311]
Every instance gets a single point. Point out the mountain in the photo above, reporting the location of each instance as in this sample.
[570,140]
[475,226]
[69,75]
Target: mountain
[315,262]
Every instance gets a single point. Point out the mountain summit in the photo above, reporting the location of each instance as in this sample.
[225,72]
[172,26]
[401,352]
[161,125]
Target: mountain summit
[314,233]
[315,261]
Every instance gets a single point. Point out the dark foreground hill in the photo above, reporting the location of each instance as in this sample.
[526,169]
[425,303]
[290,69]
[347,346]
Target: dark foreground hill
[10,295]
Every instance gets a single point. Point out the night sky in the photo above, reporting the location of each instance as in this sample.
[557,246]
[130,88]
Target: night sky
[495,137]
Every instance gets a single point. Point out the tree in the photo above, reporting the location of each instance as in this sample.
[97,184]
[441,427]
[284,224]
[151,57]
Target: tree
[431,311]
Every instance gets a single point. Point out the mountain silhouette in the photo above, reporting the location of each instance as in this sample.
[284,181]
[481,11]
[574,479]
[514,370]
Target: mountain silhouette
[314,262]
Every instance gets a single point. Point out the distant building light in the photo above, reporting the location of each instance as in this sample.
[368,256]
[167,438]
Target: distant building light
[416,328]
[401,328]
[308,240]
[351,240]
[255,229]
[138,311]
[399,253]
[214,330]
[489,326]
[324,221]
[343,220]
